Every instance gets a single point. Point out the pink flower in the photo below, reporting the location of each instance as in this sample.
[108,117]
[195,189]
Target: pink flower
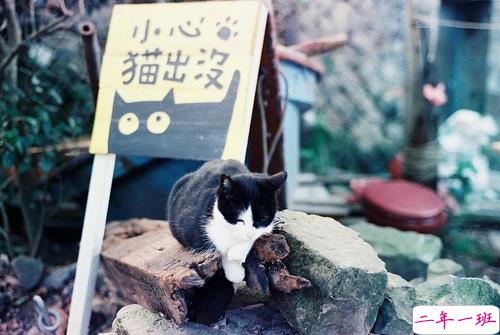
[436,95]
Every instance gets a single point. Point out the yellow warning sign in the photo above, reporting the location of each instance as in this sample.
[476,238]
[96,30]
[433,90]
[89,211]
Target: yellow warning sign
[178,79]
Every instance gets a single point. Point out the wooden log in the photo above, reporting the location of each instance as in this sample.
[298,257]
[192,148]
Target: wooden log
[148,266]
[281,280]
[321,45]
[271,248]
[255,273]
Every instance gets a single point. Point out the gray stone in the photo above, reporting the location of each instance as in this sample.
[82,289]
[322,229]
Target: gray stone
[256,319]
[452,290]
[405,253]
[395,315]
[348,279]
[416,281]
[246,296]
[4,262]
[494,240]
[4,303]
[60,277]
[443,267]
[137,320]
[28,271]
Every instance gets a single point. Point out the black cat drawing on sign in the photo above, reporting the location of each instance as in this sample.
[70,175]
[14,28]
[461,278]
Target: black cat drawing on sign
[169,129]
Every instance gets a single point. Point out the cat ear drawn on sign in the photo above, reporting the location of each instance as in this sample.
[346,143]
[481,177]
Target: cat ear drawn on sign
[227,101]
[118,100]
[169,98]
[232,90]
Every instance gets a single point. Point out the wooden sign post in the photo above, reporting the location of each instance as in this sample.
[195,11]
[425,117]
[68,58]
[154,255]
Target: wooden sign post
[178,80]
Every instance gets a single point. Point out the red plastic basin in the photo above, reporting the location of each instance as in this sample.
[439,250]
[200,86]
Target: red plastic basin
[404,205]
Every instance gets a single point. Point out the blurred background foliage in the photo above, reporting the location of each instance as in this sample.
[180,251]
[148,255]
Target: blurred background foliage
[50,104]
[359,104]
[45,100]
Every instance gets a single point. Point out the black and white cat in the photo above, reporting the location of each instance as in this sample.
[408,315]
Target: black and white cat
[225,206]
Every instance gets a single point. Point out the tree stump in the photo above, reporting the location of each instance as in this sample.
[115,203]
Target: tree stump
[147,265]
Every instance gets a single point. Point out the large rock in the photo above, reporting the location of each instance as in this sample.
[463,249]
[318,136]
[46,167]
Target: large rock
[4,262]
[256,319]
[137,320]
[395,315]
[405,253]
[348,279]
[28,271]
[443,267]
[494,240]
[60,277]
[451,290]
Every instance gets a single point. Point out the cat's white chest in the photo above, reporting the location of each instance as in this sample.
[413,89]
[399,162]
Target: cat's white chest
[225,235]
[234,241]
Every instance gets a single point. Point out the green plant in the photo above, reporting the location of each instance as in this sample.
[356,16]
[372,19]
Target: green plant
[325,148]
[316,153]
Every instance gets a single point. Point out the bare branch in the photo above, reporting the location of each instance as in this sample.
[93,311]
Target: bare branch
[32,15]
[81,6]
[279,133]
[46,30]
[263,124]
[14,37]
[6,228]
[4,49]
[14,30]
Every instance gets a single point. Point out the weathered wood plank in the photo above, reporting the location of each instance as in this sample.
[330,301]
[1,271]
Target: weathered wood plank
[271,247]
[281,280]
[149,266]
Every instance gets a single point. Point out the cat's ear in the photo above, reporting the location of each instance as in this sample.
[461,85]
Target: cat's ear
[277,180]
[169,98]
[226,184]
[118,100]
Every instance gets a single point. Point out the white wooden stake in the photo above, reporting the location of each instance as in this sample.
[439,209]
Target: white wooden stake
[91,243]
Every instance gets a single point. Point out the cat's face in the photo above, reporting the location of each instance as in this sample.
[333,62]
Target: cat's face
[249,199]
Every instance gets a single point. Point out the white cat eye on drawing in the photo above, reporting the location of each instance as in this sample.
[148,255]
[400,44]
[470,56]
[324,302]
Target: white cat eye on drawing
[158,122]
[128,123]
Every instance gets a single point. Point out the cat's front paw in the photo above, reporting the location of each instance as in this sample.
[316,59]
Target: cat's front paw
[238,253]
[234,272]
[235,254]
